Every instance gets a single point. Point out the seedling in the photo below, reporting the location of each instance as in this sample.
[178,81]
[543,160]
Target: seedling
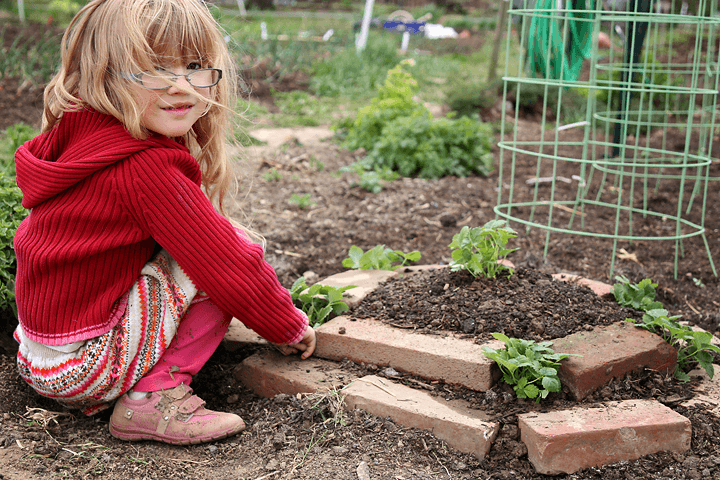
[272,175]
[371,180]
[639,296]
[528,366]
[481,250]
[319,301]
[378,258]
[692,347]
[301,201]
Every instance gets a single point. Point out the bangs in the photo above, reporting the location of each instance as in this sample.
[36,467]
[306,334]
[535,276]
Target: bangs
[177,32]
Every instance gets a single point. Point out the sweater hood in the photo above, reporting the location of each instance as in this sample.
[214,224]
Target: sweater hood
[82,143]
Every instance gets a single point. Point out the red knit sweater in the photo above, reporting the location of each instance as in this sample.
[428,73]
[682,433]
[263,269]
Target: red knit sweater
[100,201]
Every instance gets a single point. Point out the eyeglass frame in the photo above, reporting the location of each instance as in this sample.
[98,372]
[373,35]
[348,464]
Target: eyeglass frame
[136,77]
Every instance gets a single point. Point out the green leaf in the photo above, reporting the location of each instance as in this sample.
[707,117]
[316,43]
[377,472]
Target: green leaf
[682,376]
[531,391]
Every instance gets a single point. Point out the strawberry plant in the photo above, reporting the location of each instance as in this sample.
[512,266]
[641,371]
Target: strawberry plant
[378,258]
[694,348]
[639,296]
[318,301]
[481,250]
[531,368]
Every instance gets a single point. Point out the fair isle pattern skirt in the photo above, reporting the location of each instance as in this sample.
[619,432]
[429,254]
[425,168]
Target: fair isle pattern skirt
[103,368]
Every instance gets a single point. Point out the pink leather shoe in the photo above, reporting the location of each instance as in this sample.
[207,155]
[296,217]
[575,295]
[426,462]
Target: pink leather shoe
[172,416]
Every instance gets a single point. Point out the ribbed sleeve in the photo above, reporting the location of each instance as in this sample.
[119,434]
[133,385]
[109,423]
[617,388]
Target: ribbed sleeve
[158,189]
[100,201]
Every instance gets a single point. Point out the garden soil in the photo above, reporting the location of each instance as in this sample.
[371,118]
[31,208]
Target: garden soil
[311,437]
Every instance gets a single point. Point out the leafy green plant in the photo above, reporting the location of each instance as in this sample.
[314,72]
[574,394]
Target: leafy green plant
[318,301]
[11,214]
[639,296]
[401,134]
[378,258]
[531,368]
[272,175]
[371,180]
[13,137]
[694,348]
[316,164]
[301,201]
[481,250]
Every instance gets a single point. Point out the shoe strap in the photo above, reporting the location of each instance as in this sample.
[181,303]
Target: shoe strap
[191,404]
[181,410]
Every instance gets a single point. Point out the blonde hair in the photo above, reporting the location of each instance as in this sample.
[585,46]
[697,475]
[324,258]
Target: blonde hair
[108,39]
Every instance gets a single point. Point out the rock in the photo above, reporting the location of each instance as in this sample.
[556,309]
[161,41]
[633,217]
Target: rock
[363,471]
[340,450]
[311,277]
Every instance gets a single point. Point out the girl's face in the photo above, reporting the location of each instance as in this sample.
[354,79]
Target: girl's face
[170,111]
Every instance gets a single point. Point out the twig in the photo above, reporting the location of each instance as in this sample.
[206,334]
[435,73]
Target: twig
[290,254]
[440,463]
[189,461]
[568,209]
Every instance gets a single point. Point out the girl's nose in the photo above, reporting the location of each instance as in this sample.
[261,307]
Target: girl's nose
[180,80]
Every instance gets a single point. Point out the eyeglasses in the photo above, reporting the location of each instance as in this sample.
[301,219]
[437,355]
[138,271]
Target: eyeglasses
[203,78]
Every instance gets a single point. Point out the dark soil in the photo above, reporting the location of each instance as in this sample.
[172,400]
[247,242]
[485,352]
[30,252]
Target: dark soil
[307,437]
[529,304]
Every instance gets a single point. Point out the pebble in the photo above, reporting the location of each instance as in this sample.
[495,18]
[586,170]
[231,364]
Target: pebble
[363,471]
[212,449]
[311,277]
[340,450]
[391,372]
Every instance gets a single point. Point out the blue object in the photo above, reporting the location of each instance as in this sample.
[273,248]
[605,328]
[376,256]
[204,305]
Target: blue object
[400,26]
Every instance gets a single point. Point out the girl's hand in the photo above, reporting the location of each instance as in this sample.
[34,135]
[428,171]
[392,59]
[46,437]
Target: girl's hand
[305,345]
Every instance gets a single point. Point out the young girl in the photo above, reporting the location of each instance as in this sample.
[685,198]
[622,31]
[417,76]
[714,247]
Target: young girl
[127,276]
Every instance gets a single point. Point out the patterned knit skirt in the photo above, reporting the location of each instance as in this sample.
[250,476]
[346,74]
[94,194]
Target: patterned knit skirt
[103,368]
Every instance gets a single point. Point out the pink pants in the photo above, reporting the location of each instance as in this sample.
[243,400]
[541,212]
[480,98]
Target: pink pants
[199,334]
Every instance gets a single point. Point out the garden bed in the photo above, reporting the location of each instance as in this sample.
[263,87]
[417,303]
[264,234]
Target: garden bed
[292,438]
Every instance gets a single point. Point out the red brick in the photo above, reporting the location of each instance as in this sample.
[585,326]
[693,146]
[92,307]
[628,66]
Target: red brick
[460,427]
[569,440]
[599,288]
[238,335]
[450,358]
[269,373]
[610,352]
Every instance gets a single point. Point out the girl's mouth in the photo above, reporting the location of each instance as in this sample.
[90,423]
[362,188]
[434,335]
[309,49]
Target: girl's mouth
[178,108]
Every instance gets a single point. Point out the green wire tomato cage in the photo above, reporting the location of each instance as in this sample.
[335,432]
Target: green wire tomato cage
[629,96]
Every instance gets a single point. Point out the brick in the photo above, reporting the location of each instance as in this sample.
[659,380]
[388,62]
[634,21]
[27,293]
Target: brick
[269,373]
[365,282]
[448,358]
[610,352]
[461,428]
[600,289]
[238,335]
[566,441]
[707,390]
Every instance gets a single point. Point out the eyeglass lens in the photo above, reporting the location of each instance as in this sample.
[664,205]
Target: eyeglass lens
[198,78]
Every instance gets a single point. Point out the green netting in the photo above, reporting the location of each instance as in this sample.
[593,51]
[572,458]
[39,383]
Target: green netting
[626,135]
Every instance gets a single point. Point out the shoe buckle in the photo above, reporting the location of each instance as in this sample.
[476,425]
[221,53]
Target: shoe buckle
[128,413]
